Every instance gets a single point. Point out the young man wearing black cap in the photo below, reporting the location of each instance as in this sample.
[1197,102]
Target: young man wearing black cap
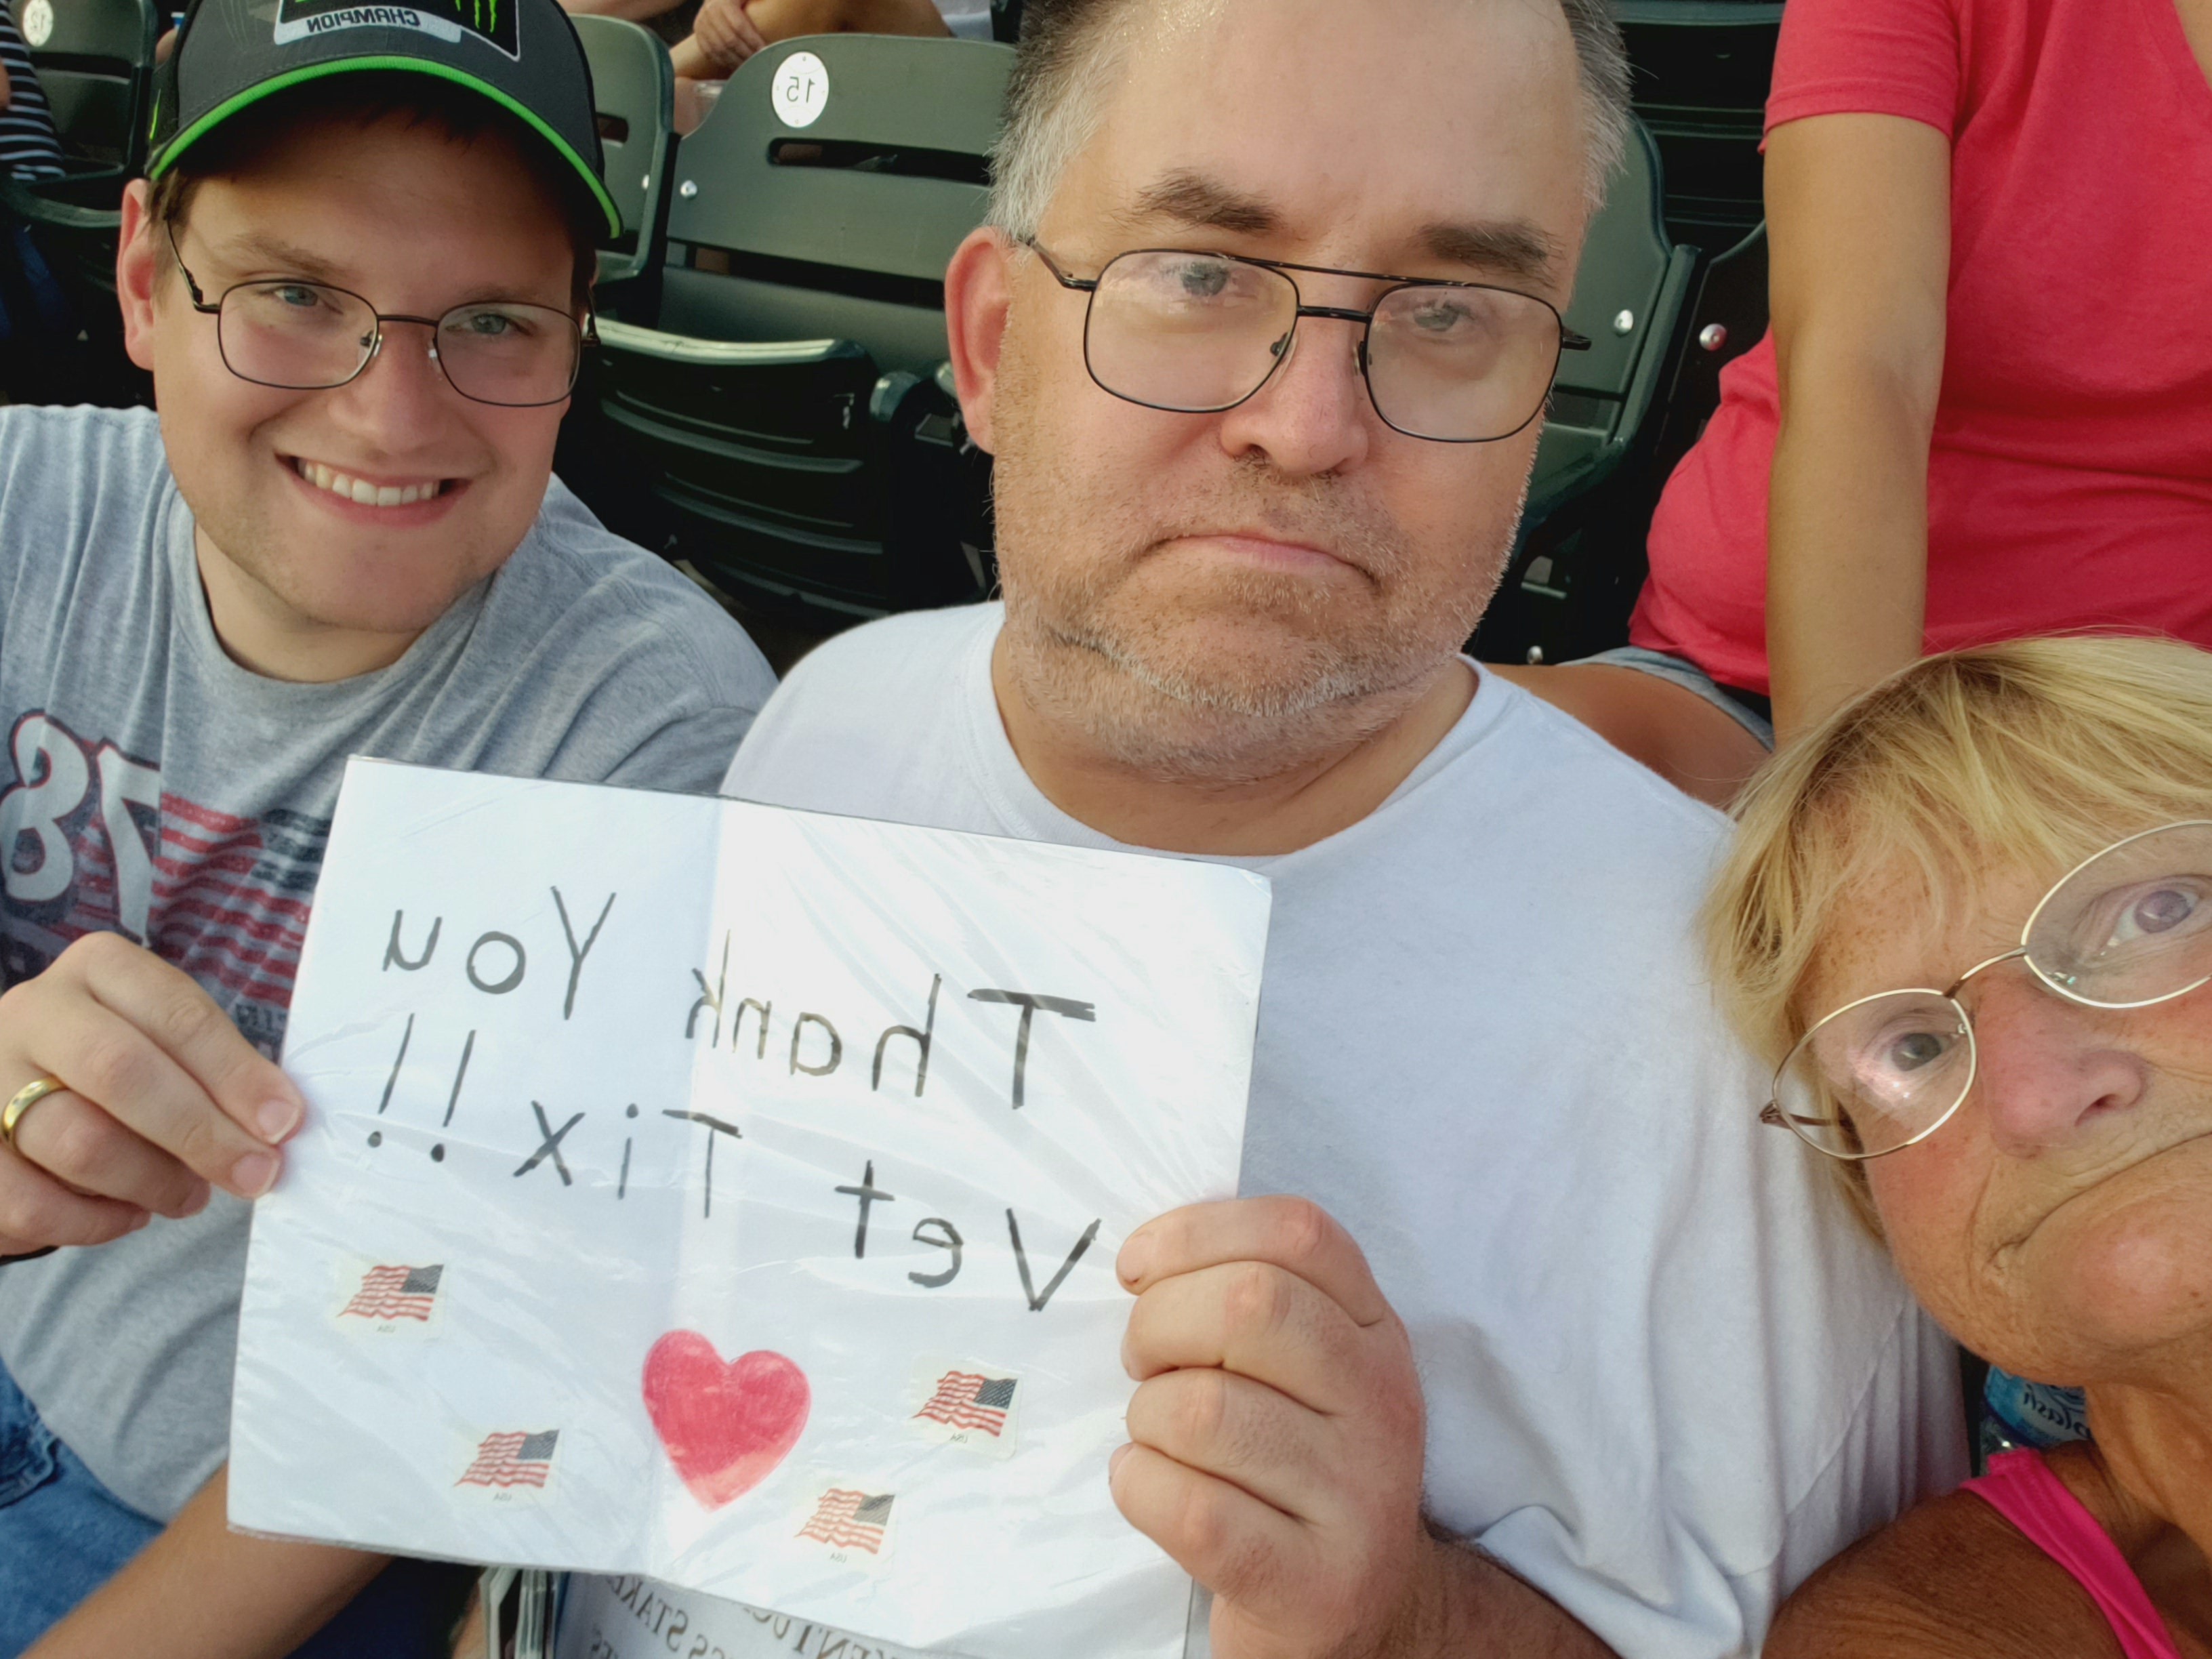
[358,272]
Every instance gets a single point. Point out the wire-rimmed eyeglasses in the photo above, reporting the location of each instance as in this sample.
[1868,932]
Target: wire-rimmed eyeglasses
[305,336]
[1198,333]
[2128,927]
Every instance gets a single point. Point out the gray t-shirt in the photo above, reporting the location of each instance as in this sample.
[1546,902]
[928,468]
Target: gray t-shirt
[154,788]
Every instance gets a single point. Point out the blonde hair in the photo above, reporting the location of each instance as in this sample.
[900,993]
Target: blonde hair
[2034,752]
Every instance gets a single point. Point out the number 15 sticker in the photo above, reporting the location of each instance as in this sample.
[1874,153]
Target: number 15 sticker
[800,91]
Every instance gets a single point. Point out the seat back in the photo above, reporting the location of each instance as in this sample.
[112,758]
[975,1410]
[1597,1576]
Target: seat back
[781,416]
[634,94]
[842,227]
[1727,318]
[95,60]
[1629,295]
[1702,67]
[1576,568]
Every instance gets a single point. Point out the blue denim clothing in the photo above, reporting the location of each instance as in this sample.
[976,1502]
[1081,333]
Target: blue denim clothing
[1746,708]
[63,1534]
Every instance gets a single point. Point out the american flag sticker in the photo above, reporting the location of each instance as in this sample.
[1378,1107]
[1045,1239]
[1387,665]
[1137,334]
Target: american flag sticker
[391,1298]
[851,1525]
[972,1406]
[509,1464]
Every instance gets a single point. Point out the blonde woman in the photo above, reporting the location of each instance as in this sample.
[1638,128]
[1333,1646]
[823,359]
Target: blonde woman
[1970,916]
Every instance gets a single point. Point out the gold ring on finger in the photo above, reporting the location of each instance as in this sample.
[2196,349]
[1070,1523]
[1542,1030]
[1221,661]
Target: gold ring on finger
[22,1102]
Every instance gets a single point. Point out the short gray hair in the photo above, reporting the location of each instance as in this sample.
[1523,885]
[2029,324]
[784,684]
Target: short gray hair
[1072,52]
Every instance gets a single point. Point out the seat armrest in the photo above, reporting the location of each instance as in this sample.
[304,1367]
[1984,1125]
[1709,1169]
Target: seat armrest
[28,205]
[751,354]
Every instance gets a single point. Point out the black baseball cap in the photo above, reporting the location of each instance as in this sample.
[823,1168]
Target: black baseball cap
[523,55]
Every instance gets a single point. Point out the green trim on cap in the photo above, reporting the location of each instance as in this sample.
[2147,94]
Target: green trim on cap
[161,164]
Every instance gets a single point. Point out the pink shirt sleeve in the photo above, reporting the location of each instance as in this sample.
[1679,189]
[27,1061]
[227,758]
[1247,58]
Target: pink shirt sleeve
[1867,58]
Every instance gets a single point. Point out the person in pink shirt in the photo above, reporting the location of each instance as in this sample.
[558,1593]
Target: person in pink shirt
[2027,825]
[1985,408]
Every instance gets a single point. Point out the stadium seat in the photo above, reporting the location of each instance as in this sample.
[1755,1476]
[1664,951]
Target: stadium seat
[1575,574]
[1701,70]
[1684,225]
[1726,318]
[780,415]
[634,94]
[95,58]
[95,61]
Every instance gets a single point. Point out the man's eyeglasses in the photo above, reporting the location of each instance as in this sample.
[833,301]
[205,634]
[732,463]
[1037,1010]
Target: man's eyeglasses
[1199,333]
[310,337]
[2127,928]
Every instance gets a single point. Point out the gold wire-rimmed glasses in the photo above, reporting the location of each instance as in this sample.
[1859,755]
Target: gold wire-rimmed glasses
[2128,927]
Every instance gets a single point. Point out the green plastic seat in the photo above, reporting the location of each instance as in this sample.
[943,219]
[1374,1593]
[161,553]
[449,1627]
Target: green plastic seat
[843,227]
[1702,71]
[1629,295]
[95,62]
[784,412]
[1575,572]
[634,94]
[783,405]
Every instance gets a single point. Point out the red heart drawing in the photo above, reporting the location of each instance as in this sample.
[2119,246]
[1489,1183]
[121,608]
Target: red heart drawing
[726,1427]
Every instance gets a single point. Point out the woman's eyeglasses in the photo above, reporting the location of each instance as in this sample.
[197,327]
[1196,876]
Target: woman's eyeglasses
[2127,928]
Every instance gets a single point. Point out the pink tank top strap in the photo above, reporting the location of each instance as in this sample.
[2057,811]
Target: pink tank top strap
[2021,1487]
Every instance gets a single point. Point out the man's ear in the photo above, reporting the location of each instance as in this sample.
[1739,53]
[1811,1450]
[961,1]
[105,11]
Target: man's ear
[978,289]
[141,252]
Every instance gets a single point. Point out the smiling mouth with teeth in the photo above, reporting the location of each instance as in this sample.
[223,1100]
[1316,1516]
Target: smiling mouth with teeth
[364,493]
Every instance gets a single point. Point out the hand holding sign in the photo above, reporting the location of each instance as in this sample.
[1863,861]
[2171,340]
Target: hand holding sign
[1276,1442]
[162,1098]
[730,1195]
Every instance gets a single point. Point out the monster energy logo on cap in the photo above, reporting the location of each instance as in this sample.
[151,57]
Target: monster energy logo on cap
[492,21]
[226,61]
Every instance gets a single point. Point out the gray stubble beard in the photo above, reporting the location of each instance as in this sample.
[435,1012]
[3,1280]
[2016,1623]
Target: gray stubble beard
[1132,701]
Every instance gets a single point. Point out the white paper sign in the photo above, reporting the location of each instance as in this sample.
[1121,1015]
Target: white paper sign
[731,1195]
[633,1618]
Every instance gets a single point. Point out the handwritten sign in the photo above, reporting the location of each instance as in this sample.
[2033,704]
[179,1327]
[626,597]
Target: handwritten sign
[731,1195]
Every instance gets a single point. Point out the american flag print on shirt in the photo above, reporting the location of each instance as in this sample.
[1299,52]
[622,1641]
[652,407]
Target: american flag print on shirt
[850,1520]
[965,1399]
[511,1460]
[93,841]
[396,1293]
